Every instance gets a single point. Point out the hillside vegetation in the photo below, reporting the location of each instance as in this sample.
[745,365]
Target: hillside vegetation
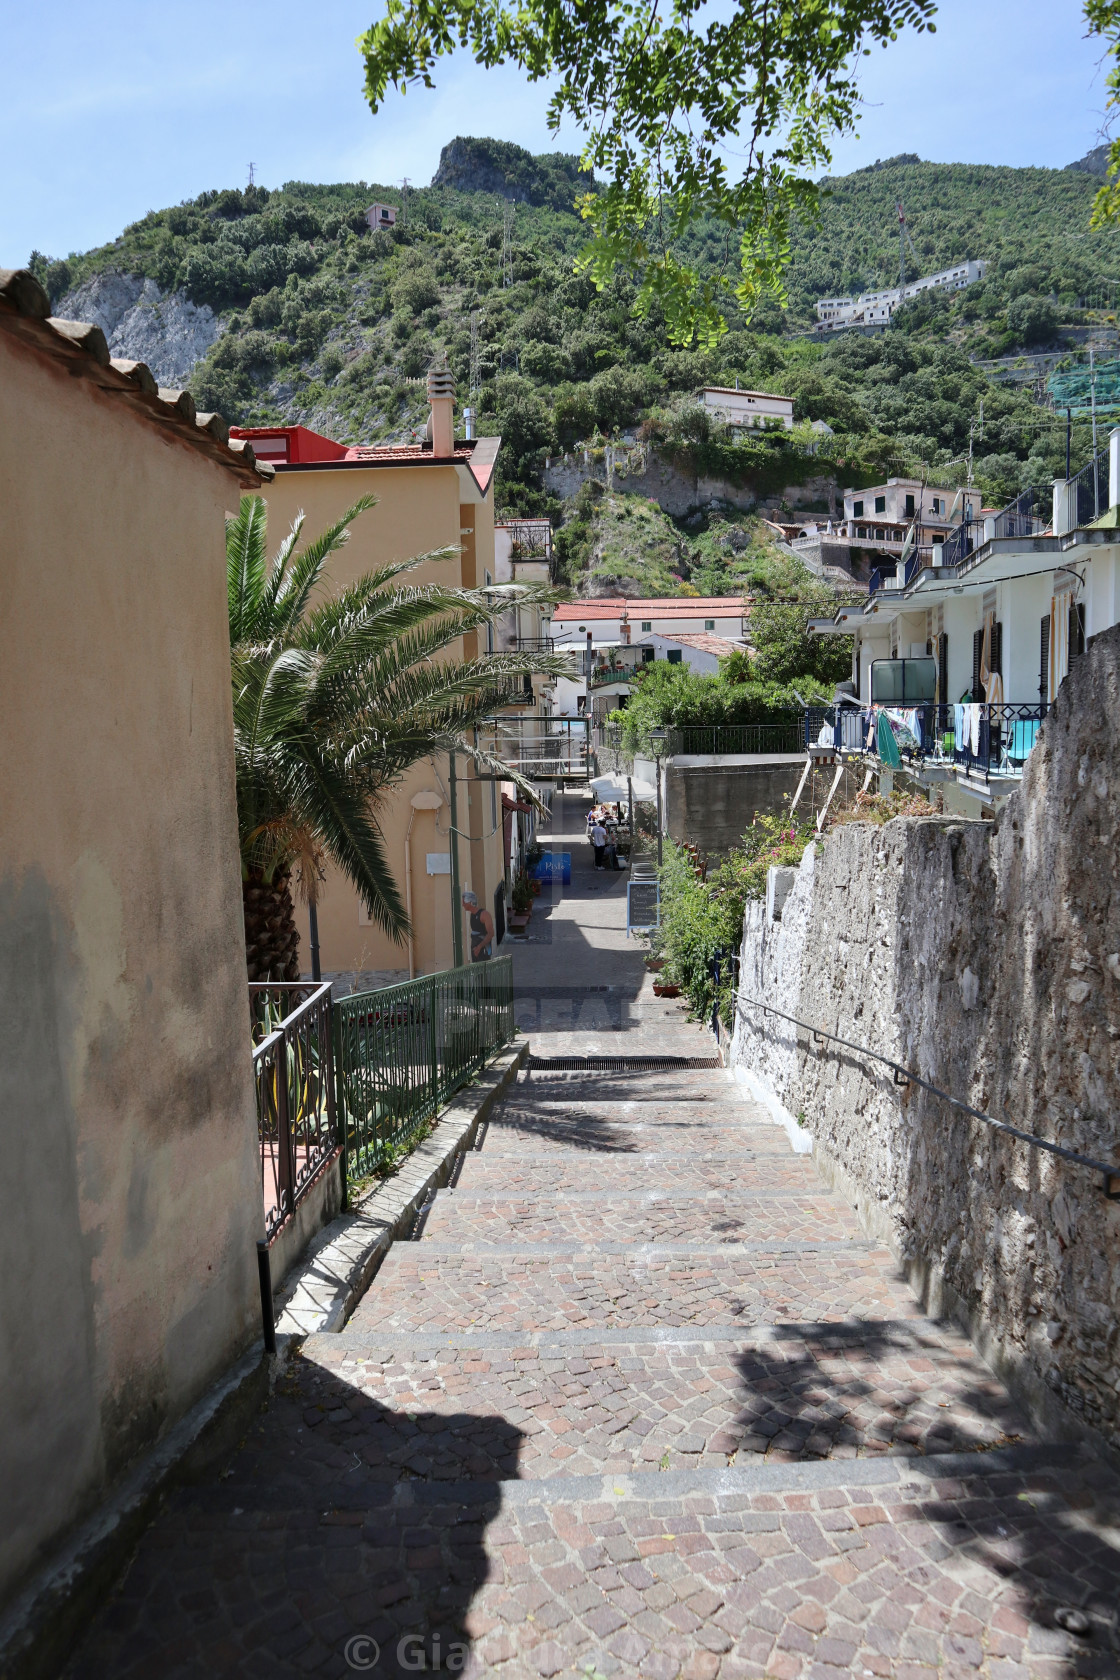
[333,326]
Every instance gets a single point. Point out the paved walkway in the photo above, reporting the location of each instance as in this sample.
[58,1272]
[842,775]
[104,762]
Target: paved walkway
[642,1400]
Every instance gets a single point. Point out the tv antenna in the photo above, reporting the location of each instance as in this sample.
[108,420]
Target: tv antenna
[252,174]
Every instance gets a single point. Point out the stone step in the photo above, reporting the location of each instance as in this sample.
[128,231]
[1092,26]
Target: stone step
[519,1133]
[543,1171]
[907,1568]
[418,1289]
[627,1086]
[475,1220]
[582,1401]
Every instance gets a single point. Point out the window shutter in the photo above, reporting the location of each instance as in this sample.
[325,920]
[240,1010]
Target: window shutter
[1076,630]
[1044,659]
[977,655]
[943,668]
[997,647]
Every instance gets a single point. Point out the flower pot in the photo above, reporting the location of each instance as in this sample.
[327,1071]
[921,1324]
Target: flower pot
[665,991]
[655,964]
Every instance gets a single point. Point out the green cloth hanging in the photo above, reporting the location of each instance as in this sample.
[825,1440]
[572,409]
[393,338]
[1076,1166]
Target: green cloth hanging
[888,746]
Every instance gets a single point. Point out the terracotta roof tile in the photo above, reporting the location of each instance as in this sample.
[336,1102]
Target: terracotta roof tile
[25,315]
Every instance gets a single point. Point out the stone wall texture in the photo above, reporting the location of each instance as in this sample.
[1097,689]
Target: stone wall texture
[986,958]
[165,330]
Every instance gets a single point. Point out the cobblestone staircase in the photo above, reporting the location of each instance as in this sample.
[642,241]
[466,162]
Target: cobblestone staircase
[641,1399]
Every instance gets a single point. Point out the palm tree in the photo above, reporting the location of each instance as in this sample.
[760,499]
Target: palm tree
[333,703]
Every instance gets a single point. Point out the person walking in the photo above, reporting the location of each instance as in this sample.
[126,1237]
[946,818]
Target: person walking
[482,929]
[599,841]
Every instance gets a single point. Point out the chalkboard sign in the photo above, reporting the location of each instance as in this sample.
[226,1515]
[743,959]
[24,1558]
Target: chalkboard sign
[553,866]
[643,906]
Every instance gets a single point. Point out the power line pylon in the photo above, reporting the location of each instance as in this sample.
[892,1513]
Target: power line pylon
[509,210]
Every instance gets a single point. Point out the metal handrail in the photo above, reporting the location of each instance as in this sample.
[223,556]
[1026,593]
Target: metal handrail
[1110,1173]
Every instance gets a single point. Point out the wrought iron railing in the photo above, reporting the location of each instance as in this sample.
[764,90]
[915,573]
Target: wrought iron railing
[537,644]
[1090,490]
[603,674]
[959,544]
[403,1051]
[784,735]
[1021,518]
[987,738]
[990,738]
[293,1069]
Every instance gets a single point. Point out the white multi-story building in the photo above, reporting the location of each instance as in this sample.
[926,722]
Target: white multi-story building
[876,308]
[966,649]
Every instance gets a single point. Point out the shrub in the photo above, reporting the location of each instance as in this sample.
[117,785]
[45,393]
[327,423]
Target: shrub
[701,918]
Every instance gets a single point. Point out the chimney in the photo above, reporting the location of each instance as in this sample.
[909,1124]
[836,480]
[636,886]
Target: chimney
[441,424]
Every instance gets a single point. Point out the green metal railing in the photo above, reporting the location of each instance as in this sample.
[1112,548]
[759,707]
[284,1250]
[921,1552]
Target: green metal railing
[402,1052]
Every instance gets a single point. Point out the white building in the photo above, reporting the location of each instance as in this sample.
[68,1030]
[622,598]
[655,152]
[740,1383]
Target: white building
[876,308]
[967,650]
[620,619]
[746,409]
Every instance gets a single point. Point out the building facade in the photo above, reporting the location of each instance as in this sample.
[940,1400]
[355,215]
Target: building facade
[132,1169]
[434,495]
[963,651]
[746,409]
[874,309]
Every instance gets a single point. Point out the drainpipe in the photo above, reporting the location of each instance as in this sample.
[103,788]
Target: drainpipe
[426,800]
[456,907]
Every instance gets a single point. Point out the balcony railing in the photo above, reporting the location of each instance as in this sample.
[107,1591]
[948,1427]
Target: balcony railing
[783,736]
[1090,491]
[404,1051]
[293,1069]
[536,644]
[1024,517]
[985,738]
[602,674]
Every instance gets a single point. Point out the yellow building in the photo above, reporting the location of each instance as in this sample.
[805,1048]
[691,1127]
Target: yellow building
[431,495]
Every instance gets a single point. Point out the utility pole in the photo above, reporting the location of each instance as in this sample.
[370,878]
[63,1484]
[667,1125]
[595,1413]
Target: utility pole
[474,380]
[404,201]
[509,210]
[456,906]
[1069,439]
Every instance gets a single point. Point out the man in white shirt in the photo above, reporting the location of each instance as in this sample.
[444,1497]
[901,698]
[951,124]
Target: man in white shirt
[599,841]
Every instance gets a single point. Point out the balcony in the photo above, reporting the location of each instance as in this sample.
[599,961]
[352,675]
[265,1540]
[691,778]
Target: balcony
[982,741]
[604,675]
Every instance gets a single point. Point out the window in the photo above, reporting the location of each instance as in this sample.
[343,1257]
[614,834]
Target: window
[709,624]
[909,507]
[647,626]
[674,656]
[1076,630]
[647,653]
[862,532]
[857,510]
[937,508]
[901,681]
[880,534]
[880,504]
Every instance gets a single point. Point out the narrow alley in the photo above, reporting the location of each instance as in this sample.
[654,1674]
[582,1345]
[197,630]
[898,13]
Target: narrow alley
[640,1398]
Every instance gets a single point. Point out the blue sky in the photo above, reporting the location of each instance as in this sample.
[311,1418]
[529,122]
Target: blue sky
[115,109]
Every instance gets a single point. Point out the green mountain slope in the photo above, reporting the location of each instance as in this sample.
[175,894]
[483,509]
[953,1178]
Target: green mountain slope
[334,326]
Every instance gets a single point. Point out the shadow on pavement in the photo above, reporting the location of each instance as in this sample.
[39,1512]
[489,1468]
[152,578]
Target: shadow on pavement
[340,1526]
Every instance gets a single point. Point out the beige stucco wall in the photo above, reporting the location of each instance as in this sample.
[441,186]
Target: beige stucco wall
[131,1191]
[419,509]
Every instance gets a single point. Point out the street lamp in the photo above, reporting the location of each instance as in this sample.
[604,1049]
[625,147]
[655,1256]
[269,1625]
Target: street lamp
[659,738]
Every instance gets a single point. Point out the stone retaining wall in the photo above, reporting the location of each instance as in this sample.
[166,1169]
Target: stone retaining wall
[985,957]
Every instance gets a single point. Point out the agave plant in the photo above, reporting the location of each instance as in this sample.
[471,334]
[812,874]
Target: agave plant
[332,703]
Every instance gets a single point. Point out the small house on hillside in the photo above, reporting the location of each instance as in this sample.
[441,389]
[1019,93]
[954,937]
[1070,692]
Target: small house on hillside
[746,409]
[382,215]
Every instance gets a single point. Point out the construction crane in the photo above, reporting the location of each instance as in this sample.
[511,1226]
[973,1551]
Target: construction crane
[904,239]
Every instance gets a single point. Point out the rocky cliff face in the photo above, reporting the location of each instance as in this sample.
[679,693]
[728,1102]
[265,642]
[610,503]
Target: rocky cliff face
[497,166]
[141,323]
[986,959]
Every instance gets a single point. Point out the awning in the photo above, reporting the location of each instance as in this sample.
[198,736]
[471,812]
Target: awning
[509,804]
[613,789]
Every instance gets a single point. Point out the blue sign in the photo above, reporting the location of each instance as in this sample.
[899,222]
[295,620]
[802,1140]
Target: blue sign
[553,866]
